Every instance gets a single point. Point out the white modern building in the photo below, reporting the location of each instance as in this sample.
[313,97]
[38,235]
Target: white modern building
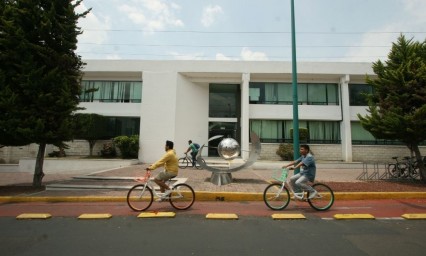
[182,100]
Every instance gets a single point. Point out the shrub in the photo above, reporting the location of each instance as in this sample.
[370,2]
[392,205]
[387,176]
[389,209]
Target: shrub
[285,151]
[129,146]
[108,150]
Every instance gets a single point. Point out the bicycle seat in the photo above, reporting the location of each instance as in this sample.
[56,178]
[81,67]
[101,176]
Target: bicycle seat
[395,157]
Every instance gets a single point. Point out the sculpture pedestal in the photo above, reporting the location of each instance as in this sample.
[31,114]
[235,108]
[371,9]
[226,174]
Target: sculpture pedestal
[221,178]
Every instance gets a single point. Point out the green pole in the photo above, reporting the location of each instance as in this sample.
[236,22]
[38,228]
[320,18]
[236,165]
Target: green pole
[295,98]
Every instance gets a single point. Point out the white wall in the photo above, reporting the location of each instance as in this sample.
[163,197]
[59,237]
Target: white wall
[158,114]
[192,111]
[285,112]
[112,109]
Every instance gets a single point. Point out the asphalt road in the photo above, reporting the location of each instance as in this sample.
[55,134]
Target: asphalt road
[195,235]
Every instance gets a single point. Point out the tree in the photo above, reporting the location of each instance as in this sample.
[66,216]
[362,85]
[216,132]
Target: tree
[397,106]
[39,73]
[90,127]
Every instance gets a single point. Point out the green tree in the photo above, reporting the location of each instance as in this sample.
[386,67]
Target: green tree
[39,73]
[90,127]
[397,106]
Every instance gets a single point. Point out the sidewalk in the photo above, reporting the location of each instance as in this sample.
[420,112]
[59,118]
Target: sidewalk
[248,184]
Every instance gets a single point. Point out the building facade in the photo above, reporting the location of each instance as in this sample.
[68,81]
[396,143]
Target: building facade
[183,100]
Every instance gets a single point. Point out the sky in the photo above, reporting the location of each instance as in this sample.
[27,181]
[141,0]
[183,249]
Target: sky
[247,30]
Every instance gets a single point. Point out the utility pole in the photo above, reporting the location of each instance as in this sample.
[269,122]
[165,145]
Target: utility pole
[294,80]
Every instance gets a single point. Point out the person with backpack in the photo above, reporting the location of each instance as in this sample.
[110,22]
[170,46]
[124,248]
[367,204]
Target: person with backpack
[193,147]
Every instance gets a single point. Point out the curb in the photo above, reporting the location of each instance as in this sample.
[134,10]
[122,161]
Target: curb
[215,196]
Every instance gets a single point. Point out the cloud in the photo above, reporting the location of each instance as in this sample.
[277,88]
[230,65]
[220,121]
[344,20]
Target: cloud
[152,15]
[385,35]
[96,31]
[187,56]
[221,56]
[210,14]
[247,54]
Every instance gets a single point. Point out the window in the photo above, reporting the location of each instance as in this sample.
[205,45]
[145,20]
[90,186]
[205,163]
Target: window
[118,126]
[358,94]
[224,100]
[111,91]
[273,131]
[360,136]
[282,93]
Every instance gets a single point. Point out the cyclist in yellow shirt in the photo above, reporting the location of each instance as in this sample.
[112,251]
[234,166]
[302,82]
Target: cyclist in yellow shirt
[171,168]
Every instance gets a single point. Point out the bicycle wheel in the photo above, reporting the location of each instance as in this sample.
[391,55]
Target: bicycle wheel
[275,197]
[140,197]
[183,162]
[415,170]
[324,199]
[394,172]
[182,196]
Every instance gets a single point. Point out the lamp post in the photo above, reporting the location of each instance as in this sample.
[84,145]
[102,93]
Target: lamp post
[294,82]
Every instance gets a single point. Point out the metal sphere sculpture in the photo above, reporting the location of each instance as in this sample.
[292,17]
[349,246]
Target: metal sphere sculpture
[228,149]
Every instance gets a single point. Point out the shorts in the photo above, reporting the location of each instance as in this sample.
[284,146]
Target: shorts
[164,175]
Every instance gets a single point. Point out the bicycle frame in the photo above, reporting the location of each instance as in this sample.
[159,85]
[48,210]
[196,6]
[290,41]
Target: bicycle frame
[147,181]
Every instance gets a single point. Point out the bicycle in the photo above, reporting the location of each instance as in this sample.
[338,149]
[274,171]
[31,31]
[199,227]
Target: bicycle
[141,196]
[186,160]
[277,196]
[398,169]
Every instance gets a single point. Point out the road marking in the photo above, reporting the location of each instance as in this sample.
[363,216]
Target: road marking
[287,216]
[349,216]
[34,216]
[94,216]
[222,216]
[414,216]
[157,215]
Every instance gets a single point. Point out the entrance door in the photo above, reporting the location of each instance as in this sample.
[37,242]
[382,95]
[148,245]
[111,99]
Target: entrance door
[228,130]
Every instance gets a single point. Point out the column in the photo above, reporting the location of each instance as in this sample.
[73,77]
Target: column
[244,122]
[345,127]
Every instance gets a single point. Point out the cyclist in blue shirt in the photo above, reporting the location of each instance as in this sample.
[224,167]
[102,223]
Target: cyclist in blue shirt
[307,166]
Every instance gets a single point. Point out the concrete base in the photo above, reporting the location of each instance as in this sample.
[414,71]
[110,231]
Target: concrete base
[221,178]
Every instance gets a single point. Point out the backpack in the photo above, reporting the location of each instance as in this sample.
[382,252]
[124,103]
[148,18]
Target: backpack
[197,146]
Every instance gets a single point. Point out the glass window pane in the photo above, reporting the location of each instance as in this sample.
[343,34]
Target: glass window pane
[317,94]
[224,100]
[285,94]
[270,93]
[359,133]
[302,93]
[357,94]
[332,94]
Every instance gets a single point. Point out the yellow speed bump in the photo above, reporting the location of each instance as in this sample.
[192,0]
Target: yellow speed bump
[222,216]
[157,215]
[27,216]
[350,216]
[94,216]
[414,216]
[287,216]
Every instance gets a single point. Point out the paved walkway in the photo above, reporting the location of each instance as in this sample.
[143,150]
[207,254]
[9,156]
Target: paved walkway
[247,184]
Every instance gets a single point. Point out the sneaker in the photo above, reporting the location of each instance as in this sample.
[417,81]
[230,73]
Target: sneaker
[297,196]
[165,194]
[313,194]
